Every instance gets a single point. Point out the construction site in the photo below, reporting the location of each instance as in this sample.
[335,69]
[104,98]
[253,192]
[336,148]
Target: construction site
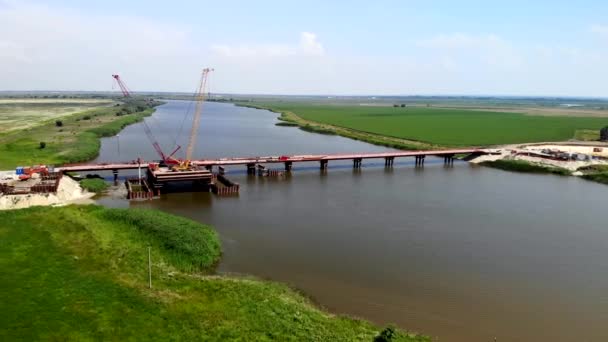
[43,180]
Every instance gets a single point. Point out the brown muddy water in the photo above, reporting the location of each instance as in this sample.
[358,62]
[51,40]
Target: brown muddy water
[458,253]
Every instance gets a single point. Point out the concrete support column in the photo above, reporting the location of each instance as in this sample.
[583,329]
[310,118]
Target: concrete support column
[448,159]
[221,170]
[209,167]
[115,173]
[388,161]
[323,164]
[288,166]
[357,163]
[420,160]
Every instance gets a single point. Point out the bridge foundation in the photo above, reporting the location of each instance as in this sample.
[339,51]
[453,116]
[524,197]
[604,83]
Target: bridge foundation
[388,161]
[251,169]
[448,159]
[420,160]
[323,164]
[288,166]
[357,163]
[221,169]
[115,174]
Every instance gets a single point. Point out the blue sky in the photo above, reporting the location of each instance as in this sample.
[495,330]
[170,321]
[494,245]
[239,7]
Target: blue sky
[551,48]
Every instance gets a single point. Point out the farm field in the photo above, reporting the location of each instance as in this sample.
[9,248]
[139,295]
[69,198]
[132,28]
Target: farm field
[444,126]
[16,114]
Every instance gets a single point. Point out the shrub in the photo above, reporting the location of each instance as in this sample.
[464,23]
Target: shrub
[86,117]
[604,134]
[96,185]
[386,335]
[58,123]
[42,145]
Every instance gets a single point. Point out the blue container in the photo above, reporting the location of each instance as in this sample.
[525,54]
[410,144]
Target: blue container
[19,170]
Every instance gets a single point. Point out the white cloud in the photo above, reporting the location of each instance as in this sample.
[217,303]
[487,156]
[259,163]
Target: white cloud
[42,47]
[308,46]
[601,30]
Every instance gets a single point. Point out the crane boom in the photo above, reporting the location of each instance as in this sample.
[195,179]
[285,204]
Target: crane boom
[200,99]
[123,87]
[168,160]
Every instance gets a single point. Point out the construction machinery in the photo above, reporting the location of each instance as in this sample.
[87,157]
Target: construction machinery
[123,87]
[26,173]
[199,97]
[167,160]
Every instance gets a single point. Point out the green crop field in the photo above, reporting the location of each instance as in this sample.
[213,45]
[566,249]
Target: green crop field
[449,127]
[80,273]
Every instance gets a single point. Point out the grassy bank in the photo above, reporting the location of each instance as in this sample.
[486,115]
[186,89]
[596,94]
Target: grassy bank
[96,185]
[81,273]
[435,126]
[595,173]
[524,166]
[70,139]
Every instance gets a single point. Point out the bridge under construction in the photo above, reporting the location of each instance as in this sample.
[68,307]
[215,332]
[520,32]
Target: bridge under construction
[202,170]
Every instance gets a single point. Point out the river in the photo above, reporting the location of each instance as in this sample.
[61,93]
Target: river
[460,253]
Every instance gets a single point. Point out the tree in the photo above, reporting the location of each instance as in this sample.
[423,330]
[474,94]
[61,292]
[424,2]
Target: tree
[604,134]
[395,105]
[402,105]
[42,145]
[58,123]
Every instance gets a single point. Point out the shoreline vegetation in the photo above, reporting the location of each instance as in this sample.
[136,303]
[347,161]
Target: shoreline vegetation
[72,138]
[86,270]
[525,167]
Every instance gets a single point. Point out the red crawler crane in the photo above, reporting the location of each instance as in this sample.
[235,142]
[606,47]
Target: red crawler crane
[123,87]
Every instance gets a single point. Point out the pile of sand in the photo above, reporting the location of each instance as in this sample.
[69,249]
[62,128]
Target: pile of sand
[69,191]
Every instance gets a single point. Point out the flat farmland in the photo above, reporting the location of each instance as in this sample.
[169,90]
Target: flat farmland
[16,114]
[445,126]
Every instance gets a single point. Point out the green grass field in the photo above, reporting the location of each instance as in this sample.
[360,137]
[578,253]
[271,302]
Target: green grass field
[81,273]
[447,127]
[76,140]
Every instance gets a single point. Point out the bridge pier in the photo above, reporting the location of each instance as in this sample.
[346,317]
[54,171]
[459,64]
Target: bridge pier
[420,160]
[388,161]
[209,167]
[357,163]
[261,170]
[323,164]
[221,169]
[251,169]
[288,166]
[115,174]
[448,159]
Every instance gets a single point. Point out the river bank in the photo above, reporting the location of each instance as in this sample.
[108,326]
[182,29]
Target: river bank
[71,138]
[84,259]
[588,160]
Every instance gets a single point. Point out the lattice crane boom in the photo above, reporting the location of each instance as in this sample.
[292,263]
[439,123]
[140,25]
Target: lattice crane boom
[200,99]
[123,87]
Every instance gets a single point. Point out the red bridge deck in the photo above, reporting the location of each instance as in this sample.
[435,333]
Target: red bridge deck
[273,159]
